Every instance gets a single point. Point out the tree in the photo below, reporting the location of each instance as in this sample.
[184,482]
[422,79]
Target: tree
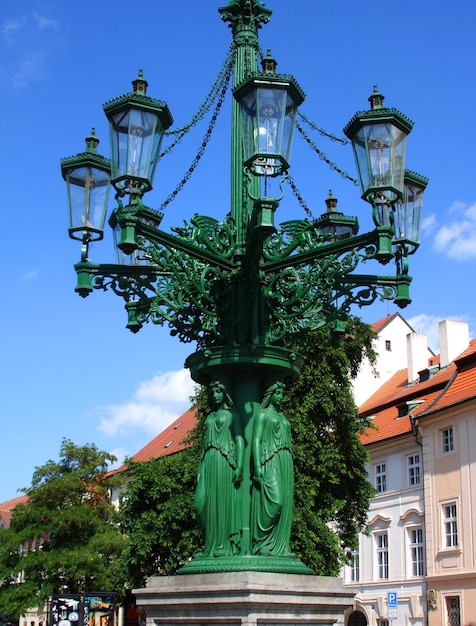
[157,516]
[332,493]
[62,540]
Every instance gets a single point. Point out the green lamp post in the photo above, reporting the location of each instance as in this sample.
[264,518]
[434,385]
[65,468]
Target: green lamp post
[243,288]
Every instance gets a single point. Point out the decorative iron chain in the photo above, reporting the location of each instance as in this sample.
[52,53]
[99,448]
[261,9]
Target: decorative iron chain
[221,80]
[224,87]
[321,131]
[297,193]
[322,156]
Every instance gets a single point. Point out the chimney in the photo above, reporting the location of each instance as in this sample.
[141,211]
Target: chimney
[417,355]
[454,339]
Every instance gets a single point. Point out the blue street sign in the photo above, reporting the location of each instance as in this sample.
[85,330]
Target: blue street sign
[392,599]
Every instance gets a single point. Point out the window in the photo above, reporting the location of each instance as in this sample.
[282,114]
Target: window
[382,622]
[450,525]
[382,555]
[416,551]
[380,477]
[354,567]
[448,439]
[453,611]
[388,345]
[413,464]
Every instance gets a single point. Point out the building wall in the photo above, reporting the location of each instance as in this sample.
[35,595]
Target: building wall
[451,480]
[395,512]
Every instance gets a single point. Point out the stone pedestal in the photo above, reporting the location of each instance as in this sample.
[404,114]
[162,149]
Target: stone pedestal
[244,599]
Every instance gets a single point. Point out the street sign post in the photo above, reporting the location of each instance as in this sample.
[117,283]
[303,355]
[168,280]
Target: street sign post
[392,605]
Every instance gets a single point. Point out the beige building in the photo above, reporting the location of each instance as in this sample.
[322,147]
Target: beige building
[417,564]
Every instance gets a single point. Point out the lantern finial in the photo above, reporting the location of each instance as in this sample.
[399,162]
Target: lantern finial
[331,202]
[269,64]
[92,142]
[139,85]
[376,99]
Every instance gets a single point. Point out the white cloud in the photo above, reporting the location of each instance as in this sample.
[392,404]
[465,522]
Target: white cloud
[427,325]
[155,404]
[29,276]
[457,239]
[44,22]
[428,223]
[28,49]
[11,26]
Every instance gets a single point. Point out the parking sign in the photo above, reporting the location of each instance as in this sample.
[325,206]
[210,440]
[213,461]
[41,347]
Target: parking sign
[392,599]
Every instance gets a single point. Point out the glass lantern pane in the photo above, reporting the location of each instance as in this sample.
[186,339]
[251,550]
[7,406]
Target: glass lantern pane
[88,190]
[288,128]
[408,216]
[247,117]
[136,137]
[380,155]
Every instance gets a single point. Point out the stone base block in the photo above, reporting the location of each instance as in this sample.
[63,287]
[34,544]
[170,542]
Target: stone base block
[244,599]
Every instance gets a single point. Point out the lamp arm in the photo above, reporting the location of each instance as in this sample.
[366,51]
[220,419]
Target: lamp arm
[309,254]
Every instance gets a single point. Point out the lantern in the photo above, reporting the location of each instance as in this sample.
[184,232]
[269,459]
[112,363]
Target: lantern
[268,105]
[408,211]
[336,225]
[87,180]
[379,142]
[137,124]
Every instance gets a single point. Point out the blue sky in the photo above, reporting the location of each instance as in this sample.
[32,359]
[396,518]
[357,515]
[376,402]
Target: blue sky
[70,368]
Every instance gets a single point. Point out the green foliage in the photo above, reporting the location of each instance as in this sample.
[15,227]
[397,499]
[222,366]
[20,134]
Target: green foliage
[68,513]
[158,517]
[332,493]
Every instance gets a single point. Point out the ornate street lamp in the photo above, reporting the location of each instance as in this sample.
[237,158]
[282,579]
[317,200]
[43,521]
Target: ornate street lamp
[243,289]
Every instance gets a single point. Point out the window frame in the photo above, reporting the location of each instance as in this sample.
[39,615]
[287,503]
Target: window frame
[354,567]
[447,440]
[450,532]
[416,551]
[382,556]
[413,470]
[380,477]
[453,596]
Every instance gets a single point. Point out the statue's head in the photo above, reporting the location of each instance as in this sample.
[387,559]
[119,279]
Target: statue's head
[277,386]
[219,385]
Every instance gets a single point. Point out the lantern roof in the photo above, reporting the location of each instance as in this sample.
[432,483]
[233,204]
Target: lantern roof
[89,157]
[269,78]
[377,114]
[140,100]
[413,178]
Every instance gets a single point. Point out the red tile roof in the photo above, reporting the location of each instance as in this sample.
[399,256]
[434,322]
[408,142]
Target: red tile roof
[462,385]
[7,507]
[449,386]
[377,326]
[169,441]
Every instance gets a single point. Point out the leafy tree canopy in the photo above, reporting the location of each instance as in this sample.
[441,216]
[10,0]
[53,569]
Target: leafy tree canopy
[332,493]
[62,539]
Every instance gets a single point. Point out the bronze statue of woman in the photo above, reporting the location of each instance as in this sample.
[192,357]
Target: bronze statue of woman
[273,472]
[219,475]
